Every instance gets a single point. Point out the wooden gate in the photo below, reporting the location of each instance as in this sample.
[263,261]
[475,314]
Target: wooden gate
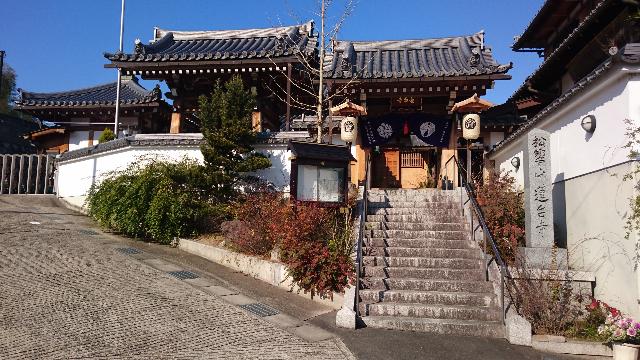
[26,174]
[386,169]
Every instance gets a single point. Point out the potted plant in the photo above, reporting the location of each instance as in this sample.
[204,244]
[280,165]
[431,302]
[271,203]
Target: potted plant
[623,333]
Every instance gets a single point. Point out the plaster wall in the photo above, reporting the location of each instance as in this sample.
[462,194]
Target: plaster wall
[78,140]
[75,177]
[590,197]
[595,206]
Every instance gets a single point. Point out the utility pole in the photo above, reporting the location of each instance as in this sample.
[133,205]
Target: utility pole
[117,119]
[1,68]
[321,88]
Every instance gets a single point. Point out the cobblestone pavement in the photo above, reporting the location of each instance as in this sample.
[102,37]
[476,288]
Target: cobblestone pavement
[68,294]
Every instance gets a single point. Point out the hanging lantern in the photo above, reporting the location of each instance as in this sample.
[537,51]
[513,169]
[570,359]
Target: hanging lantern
[348,129]
[471,126]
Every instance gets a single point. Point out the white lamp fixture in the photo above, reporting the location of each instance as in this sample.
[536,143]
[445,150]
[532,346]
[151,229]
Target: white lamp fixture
[515,161]
[588,123]
[471,126]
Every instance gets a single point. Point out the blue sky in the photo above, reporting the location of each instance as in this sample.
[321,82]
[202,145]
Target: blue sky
[58,44]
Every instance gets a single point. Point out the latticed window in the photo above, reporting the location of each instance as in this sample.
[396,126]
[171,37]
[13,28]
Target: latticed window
[411,159]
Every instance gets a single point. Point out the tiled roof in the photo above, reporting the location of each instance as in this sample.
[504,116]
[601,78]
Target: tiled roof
[443,57]
[630,54]
[102,95]
[593,19]
[274,42]
[11,130]
[325,152]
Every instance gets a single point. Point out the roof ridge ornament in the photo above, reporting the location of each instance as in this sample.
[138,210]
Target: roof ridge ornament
[139,47]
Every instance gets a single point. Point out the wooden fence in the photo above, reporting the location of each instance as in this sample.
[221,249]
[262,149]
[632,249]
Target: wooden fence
[26,174]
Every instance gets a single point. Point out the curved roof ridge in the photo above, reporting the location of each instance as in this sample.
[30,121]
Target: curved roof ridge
[131,83]
[227,34]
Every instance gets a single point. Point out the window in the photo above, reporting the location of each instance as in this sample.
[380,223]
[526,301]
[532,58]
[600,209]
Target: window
[317,183]
[412,159]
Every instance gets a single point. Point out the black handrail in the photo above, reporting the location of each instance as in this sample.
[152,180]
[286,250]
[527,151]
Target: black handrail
[504,270]
[363,219]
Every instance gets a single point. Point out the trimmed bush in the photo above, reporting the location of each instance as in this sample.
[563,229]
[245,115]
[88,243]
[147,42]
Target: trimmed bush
[158,201]
[107,135]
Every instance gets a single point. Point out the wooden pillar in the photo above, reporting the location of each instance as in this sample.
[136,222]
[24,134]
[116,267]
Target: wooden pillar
[176,118]
[288,119]
[91,134]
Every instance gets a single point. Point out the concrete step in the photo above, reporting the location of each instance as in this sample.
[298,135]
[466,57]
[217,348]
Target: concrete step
[438,311]
[419,234]
[494,329]
[414,193]
[426,217]
[417,226]
[423,273]
[378,283]
[423,262]
[414,205]
[427,297]
[440,214]
[420,243]
[416,198]
[422,252]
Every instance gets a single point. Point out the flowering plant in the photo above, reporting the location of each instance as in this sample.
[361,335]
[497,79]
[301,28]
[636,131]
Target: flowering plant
[616,327]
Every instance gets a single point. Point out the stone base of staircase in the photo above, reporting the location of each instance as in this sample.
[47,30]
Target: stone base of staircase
[421,270]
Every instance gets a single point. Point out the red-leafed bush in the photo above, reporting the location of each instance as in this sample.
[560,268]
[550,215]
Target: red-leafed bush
[317,250]
[261,223]
[503,207]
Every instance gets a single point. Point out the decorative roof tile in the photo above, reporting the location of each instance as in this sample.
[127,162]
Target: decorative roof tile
[102,95]
[274,42]
[442,57]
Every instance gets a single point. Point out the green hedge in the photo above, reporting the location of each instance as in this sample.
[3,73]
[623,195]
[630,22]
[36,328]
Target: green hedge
[157,202]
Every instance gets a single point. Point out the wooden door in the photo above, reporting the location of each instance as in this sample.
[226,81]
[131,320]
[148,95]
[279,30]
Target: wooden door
[386,169]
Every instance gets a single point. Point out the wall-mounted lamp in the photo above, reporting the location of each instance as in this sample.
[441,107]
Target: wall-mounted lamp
[515,161]
[588,123]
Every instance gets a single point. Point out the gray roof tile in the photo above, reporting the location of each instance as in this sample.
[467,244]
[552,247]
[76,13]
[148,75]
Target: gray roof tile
[442,57]
[224,44]
[104,95]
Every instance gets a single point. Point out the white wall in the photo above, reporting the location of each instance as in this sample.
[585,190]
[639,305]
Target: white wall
[590,198]
[78,140]
[279,173]
[75,177]
[573,151]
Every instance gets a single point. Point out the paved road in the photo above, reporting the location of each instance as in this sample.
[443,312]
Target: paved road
[66,294]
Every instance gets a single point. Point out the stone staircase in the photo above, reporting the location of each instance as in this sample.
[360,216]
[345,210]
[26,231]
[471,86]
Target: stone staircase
[421,270]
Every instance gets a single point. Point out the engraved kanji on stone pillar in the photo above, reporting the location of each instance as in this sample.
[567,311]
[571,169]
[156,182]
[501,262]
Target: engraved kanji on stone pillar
[538,205]
[537,189]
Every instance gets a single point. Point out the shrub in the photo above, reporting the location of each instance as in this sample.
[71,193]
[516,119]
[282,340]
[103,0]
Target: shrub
[590,325]
[550,306]
[261,225]
[316,261]
[107,135]
[503,208]
[158,201]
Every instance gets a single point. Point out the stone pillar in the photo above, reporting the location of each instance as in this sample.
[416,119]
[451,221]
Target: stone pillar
[538,205]
[175,123]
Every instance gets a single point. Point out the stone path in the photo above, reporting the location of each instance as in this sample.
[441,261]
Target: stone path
[66,293]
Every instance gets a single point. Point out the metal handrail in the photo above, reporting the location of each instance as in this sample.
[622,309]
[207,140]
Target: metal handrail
[363,219]
[504,270]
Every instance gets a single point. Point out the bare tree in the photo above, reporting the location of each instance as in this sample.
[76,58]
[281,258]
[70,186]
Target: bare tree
[312,81]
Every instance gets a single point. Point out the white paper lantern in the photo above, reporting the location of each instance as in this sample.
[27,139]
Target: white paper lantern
[471,126]
[348,129]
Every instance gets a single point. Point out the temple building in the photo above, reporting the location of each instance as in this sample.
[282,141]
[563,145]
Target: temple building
[78,117]
[190,62]
[408,88]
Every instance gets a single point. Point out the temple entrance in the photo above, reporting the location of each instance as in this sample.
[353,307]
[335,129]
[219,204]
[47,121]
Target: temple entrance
[405,167]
